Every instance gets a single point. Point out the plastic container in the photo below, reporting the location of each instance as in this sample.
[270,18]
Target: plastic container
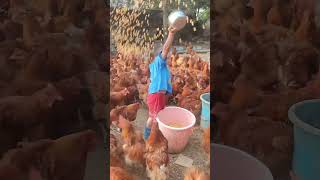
[177,19]
[177,137]
[233,164]
[205,110]
[305,116]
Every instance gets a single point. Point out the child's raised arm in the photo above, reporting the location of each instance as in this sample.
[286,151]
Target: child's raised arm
[168,43]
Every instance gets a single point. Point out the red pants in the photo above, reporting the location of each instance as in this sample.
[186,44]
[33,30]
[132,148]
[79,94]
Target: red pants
[156,102]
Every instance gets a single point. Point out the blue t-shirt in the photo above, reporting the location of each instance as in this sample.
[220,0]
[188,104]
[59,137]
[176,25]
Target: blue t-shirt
[159,75]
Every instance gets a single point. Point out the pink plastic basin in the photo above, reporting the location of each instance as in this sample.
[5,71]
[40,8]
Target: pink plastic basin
[177,137]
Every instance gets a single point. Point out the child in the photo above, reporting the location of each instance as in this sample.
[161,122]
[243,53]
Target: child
[160,86]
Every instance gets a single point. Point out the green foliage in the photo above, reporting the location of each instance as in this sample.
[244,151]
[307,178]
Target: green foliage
[204,15]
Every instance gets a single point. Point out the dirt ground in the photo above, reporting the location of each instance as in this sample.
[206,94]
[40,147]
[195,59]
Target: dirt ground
[193,150]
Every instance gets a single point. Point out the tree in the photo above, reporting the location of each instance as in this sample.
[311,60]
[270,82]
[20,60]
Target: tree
[165,14]
[191,7]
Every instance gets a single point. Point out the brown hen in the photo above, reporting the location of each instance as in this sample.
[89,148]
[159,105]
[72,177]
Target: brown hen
[20,113]
[206,141]
[115,153]
[274,15]
[67,155]
[117,173]
[133,143]
[22,163]
[196,174]
[303,31]
[157,158]
[118,98]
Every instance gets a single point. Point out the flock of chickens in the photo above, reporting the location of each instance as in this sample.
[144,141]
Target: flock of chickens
[53,79]
[266,58]
[129,86]
[190,78]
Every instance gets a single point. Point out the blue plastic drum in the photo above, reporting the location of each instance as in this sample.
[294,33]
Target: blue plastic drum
[306,156]
[205,110]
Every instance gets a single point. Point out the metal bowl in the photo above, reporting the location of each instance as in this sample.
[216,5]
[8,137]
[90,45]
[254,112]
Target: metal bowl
[177,19]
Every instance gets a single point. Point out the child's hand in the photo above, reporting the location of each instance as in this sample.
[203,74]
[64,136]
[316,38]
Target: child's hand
[172,30]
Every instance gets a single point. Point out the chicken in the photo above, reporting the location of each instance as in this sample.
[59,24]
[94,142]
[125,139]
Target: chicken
[8,140]
[266,5]
[97,83]
[177,85]
[9,171]
[115,112]
[206,141]
[221,6]
[133,143]
[45,42]
[265,72]
[11,30]
[68,154]
[130,111]
[92,5]
[9,67]
[127,111]
[225,25]
[75,61]
[186,90]
[257,21]
[43,8]
[245,94]
[94,42]
[196,174]
[58,24]
[118,98]
[225,69]
[310,91]
[23,112]
[115,153]
[274,15]
[117,173]
[143,92]
[276,149]
[276,106]
[16,10]
[224,114]
[300,66]
[19,58]
[133,95]
[157,158]
[302,33]
[46,64]
[302,6]
[273,149]
[64,117]
[70,9]
[22,163]
[118,84]
[191,103]
[31,30]
[260,70]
